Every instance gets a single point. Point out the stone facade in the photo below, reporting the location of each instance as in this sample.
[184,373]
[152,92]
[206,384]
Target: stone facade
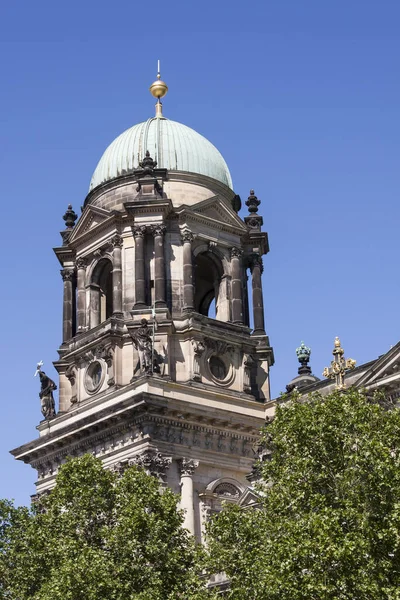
[146,374]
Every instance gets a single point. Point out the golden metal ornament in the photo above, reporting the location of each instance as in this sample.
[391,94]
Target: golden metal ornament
[158,88]
[339,366]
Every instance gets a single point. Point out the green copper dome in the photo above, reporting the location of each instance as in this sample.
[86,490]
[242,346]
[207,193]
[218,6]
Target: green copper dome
[174,146]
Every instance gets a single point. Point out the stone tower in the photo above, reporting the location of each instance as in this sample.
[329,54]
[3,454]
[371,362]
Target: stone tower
[158,364]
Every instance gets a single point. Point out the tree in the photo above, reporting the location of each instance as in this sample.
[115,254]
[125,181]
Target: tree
[96,536]
[328,526]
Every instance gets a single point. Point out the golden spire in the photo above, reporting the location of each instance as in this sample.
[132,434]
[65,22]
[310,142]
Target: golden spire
[158,89]
[339,366]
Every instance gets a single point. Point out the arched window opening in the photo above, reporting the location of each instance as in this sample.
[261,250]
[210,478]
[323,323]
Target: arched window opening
[101,292]
[208,275]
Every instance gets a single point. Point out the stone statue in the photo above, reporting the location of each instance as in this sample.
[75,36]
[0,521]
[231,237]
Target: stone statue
[46,394]
[143,342]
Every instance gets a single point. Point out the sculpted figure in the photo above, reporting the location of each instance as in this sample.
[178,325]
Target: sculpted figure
[46,395]
[142,340]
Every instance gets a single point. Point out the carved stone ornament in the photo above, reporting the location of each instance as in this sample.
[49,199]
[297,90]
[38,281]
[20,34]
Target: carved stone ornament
[248,363]
[255,260]
[70,217]
[143,342]
[158,230]
[187,236]
[47,387]
[254,222]
[148,164]
[153,462]
[198,349]
[70,374]
[236,252]
[218,346]
[139,230]
[67,274]
[187,466]
[227,490]
[81,263]
[252,202]
[116,241]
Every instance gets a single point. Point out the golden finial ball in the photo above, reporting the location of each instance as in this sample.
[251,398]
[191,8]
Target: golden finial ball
[158,89]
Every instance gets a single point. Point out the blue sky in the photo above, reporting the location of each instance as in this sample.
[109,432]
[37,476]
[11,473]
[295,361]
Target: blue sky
[301,98]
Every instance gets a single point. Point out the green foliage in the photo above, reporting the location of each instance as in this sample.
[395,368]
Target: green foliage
[329,521]
[99,537]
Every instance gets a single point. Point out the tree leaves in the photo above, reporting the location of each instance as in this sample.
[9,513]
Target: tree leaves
[99,537]
[329,522]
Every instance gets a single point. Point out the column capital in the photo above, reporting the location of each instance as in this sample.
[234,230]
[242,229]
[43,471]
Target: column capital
[67,274]
[158,230]
[116,241]
[255,260]
[187,236]
[187,466]
[236,252]
[81,263]
[139,230]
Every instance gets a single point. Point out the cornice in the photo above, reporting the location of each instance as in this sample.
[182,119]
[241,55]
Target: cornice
[146,411]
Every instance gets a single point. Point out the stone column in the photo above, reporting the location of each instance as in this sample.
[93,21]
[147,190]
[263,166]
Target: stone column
[188,287]
[68,276]
[81,264]
[116,242]
[187,467]
[256,267]
[140,282]
[236,282]
[159,265]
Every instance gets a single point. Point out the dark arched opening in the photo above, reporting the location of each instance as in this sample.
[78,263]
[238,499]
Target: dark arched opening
[208,275]
[101,292]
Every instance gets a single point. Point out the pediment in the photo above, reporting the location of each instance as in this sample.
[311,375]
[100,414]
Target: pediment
[92,217]
[215,212]
[249,498]
[385,370]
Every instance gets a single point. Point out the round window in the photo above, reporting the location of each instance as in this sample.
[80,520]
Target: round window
[218,368]
[93,377]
